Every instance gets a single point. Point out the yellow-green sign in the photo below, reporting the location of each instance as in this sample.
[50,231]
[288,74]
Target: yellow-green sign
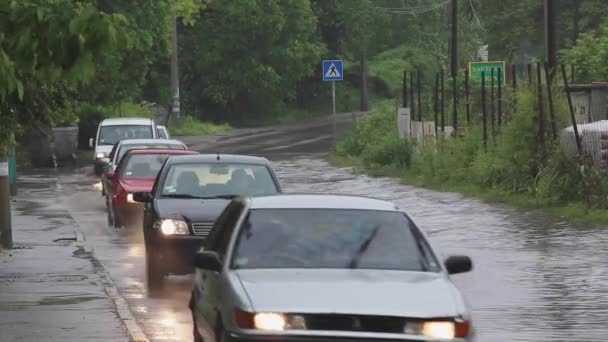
[476,68]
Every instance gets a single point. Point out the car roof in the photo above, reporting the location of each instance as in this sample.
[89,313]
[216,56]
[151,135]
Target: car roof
[161,151]
[223,158]
[320,201]
[126,121]
[150,141]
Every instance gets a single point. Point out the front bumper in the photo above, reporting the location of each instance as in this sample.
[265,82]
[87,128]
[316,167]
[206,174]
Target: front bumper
[175,252]
[291,338]
[130,213]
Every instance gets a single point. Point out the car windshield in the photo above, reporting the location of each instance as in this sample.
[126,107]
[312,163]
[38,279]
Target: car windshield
[218,179]
[143,165]
[109,135]
[126,148]
[331,238]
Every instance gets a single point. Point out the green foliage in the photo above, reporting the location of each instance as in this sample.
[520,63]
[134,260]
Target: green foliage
[47,49]
[513,168]
[589,55]
[192,127]
[246,56]
[376,141]
[126,65]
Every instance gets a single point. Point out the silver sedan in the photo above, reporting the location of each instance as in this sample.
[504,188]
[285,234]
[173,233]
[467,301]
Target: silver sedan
[324,268]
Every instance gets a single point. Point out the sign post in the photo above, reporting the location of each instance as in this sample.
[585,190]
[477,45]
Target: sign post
[333,71]
[477,68]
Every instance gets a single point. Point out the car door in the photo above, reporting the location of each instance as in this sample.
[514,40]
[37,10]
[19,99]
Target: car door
[210,283]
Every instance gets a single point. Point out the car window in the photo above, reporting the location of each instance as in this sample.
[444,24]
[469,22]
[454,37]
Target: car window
[217,179]
[110,135]
[162,133]
[113,152]
[330,238]
[129,147]
[143,165]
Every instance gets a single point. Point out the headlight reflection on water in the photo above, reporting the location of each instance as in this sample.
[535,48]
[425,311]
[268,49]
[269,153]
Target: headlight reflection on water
[98,186]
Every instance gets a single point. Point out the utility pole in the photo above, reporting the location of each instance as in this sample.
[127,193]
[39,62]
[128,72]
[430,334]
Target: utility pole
[550,43]
[6,234]
[175,105]
[454,39]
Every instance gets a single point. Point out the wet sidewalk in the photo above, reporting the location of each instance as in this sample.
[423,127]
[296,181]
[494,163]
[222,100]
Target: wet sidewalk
[51,287]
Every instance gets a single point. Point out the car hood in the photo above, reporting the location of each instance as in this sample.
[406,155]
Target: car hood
[103,148]
[193,210]
[137,184]
[361,292]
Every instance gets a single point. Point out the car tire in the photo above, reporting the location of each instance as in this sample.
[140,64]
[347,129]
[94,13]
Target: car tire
[98,169]
[154,275]
[196,337]
[110,214]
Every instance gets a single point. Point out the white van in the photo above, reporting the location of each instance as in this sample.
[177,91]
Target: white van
[110,131]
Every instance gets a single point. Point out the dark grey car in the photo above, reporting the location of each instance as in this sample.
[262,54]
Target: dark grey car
[324,268]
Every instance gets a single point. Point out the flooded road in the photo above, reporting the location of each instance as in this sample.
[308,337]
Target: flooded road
[535,278]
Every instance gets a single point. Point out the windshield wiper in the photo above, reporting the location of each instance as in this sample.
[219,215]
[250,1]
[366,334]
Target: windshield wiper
[180,196]
[364,246]
[218,196]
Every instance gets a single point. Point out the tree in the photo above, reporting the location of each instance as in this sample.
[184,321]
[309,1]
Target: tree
[47,48]
[126,66]
[589,55]
[245,57]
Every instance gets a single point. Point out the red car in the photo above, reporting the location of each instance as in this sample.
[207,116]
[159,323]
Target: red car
[136,172]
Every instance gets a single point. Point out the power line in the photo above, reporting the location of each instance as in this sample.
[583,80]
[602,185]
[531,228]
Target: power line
[475,15]
[412,10]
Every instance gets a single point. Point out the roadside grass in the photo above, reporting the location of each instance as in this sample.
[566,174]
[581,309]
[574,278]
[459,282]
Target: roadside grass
[572,211]
[192,127]
[513,170]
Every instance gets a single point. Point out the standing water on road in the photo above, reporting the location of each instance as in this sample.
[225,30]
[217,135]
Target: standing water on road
[535,278]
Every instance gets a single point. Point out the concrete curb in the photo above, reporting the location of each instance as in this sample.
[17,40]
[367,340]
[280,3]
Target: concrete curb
[123,311]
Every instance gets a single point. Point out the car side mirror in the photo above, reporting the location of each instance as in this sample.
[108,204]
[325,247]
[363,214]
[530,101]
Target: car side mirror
[111,176]
[142,197]
[91,142]
[458,264]
[208,261]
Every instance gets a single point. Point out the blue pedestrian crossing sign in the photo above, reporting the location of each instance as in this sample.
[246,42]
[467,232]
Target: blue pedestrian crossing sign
[332,70]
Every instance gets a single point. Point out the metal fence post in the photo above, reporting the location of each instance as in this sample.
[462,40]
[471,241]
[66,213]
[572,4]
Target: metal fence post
[514,85]
[499,101]
[492,105]
[404,90]
[548,79]
[412,106]
[483,110]
[442,92]
[571,109]
[419,95]
[541,113]
[436,102]
[467,99]
[454,104]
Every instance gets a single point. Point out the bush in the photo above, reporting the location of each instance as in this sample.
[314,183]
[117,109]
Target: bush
[375,139]
[511,167]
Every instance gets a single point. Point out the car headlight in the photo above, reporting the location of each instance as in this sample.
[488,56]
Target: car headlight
[100,155]
[172,227]
[443,330]
[438,329]
[269,321]
[130,198]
